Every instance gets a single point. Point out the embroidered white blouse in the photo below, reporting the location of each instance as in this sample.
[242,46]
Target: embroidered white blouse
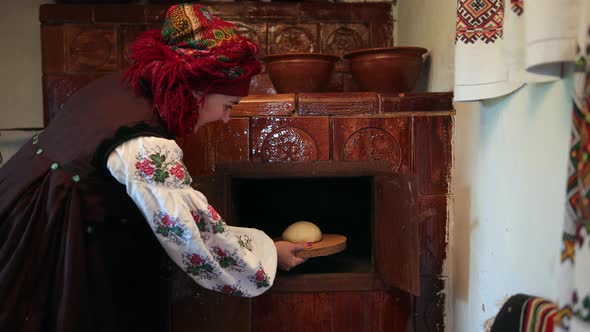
[233,260]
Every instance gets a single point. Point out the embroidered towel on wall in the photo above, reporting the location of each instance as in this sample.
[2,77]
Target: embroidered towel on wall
[574,283]
[502,44]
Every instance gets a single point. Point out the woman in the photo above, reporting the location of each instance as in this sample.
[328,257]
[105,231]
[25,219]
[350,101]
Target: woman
[76,253]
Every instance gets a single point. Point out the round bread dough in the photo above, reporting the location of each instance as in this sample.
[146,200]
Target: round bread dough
[302,231]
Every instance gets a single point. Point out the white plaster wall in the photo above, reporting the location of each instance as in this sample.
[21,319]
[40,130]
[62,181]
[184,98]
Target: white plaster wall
[429,24]
[509,178]
[20,72]
[509,185]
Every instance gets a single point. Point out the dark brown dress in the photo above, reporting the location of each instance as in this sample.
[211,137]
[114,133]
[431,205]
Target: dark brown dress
[75,253]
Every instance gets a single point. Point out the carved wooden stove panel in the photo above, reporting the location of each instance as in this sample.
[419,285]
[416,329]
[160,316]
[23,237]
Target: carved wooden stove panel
[289,38]
[283,104]
[371,311]
[356,103]
[96,38]
[126,34]
[90,48]
[199,152]
[432,219]
[52,49]
[292,312]
[232,141]
[375,138]
[290,139]
[255,31]
[430,307]
[432,153]
[338,39]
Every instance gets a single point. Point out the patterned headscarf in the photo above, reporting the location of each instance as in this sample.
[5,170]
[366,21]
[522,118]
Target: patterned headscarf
[194,51]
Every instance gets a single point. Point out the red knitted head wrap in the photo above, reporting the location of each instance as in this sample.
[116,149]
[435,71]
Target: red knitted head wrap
[194,51]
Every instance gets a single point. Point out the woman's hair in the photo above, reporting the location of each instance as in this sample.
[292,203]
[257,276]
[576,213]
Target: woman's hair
[194,51]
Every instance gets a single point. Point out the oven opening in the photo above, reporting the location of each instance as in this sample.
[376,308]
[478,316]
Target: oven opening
[337,205]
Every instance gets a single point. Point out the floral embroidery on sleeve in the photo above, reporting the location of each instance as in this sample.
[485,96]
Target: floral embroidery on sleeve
[260,279]
[245,242]
[199,220]
[216,221]
[227,260]
[235,290]
[170,228]
[157,164]
[201,267]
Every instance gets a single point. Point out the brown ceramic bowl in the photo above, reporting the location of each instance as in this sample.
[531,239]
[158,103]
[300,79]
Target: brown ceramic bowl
[300,72]
[390,69]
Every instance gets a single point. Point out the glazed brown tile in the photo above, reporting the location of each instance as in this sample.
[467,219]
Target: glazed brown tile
[216,312]
[348,83]
[282,104]
[419,102]
[290,139]
[338,39]
[389,311]
[199,152]
[372,311]
[430,305]
[57,89]
[90,48]
[155,13]
[261,84]
[433,153]
[119,13]
[373,138]
[381,31]
[126,35]
[292,312]
[232,140]
[336,83]
[360,103]
[432,222]
[52,49]
[289,38]
[49,13]
[255,31]
[349,311]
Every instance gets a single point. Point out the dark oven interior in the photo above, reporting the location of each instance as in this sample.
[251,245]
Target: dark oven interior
[340,205]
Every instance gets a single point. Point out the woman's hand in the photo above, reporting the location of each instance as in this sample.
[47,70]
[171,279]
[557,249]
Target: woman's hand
[286,254]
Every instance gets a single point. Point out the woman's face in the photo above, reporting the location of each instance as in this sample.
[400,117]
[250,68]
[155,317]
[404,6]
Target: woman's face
[216,107]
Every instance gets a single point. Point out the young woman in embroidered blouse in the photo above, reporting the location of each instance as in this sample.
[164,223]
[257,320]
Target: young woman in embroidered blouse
[217,256]
[76,253]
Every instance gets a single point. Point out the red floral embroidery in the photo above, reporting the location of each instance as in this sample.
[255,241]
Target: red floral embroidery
[145,167]
[166,220]
[214,213]
[177,171]
[260,275]
[196,216]
[261,279]
[171,228]
[228,289]
[160,165]
[228,260]
[235,290]
[196,259]
[202,267]
[220,252]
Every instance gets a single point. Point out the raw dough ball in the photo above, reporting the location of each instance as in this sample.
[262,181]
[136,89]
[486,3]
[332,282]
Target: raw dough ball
[302,231]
